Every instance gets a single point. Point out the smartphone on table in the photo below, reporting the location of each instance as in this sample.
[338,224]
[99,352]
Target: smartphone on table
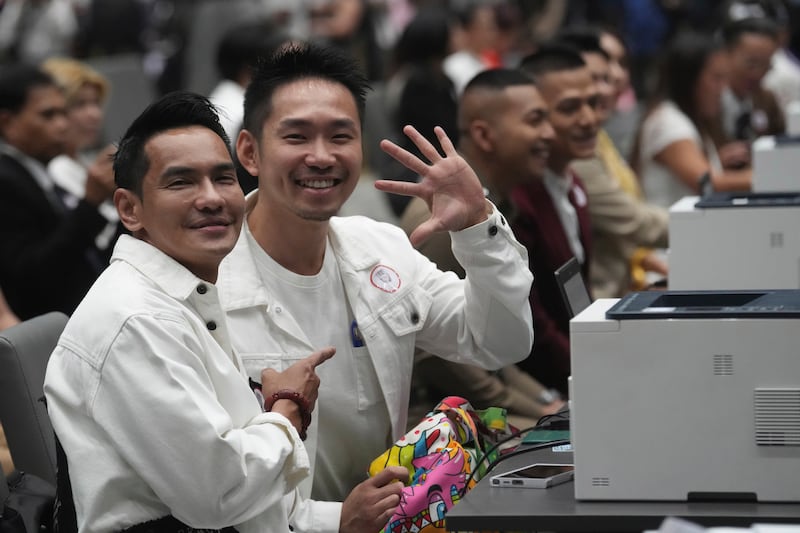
[535,476]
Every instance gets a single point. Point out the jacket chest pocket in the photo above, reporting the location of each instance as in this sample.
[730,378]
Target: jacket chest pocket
[391,340]
[254,363]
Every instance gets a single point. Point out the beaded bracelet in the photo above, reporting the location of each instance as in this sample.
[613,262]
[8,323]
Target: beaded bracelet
[297,398]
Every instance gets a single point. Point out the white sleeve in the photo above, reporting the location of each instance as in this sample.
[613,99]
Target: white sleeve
[311,516]
[484,319]
[666,125]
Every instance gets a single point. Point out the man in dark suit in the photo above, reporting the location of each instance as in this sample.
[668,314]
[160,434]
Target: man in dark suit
[553,220]
[48,256]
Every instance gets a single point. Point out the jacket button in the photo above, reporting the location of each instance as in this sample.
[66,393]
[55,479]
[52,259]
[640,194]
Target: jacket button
[211,325]
[202,289]
[492,230]
[414,317]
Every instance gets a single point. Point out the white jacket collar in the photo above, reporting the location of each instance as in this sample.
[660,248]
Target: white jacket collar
[240,283]
[170,276]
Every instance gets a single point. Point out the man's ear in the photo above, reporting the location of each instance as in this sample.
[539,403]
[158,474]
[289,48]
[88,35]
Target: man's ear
[481,134]
[128,206]
[247,152]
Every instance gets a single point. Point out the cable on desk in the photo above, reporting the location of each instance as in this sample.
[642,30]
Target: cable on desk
[561,418]
[562,415]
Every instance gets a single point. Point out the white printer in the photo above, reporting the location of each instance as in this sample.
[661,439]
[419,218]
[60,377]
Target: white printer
[735,241]
[690,395]
[776,164]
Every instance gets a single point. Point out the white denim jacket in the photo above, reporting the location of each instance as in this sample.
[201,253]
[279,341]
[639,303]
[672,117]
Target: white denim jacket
[485,320]
[153,409]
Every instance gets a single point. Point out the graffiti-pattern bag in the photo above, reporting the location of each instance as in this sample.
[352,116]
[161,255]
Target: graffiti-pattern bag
[440,453]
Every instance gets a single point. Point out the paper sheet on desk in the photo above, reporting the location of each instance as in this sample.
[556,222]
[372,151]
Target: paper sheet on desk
[678,525]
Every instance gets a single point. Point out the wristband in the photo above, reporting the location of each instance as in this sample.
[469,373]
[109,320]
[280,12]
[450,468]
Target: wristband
[302,405]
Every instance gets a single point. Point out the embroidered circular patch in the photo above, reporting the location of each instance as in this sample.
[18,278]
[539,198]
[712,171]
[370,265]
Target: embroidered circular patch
[385,278]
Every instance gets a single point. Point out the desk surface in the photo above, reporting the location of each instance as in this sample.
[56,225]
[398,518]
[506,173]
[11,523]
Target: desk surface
[555,509]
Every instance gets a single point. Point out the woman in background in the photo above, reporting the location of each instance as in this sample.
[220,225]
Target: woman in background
[680,149]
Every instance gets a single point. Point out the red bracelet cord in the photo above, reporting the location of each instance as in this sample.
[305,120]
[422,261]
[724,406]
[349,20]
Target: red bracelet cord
[302,405]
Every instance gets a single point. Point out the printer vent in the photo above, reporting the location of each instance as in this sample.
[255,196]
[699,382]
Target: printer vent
[600,482]
[776,239]
[777,417]
[723,365]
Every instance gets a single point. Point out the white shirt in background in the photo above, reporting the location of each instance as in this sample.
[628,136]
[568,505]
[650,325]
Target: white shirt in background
[559,187]
[228,98]
[783,79]
[666,125]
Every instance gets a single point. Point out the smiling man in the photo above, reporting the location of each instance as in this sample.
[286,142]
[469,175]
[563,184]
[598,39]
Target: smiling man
[505,137]
[160,427]
[559,225]
[301,278]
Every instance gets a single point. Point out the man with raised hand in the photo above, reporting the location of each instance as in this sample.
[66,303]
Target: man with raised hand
[301,278]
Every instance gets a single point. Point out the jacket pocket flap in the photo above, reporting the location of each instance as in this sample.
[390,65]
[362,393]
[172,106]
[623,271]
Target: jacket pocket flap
[408,313]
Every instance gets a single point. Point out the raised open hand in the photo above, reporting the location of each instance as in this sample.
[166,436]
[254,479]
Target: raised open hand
[448,185]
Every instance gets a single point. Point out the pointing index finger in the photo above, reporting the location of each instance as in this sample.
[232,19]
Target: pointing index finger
[322,355]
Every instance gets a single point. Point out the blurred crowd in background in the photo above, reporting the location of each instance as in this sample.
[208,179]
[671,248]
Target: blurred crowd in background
[682,124]
[173,44]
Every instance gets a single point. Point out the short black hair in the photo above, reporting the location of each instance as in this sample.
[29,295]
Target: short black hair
[242,45]
[16,82]
[499,79]
[294,62]
[174,110]
[551,57]
[732,31]
[585,39]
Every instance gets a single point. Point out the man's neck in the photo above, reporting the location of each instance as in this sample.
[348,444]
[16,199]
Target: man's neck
[558,166]
[297,245]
